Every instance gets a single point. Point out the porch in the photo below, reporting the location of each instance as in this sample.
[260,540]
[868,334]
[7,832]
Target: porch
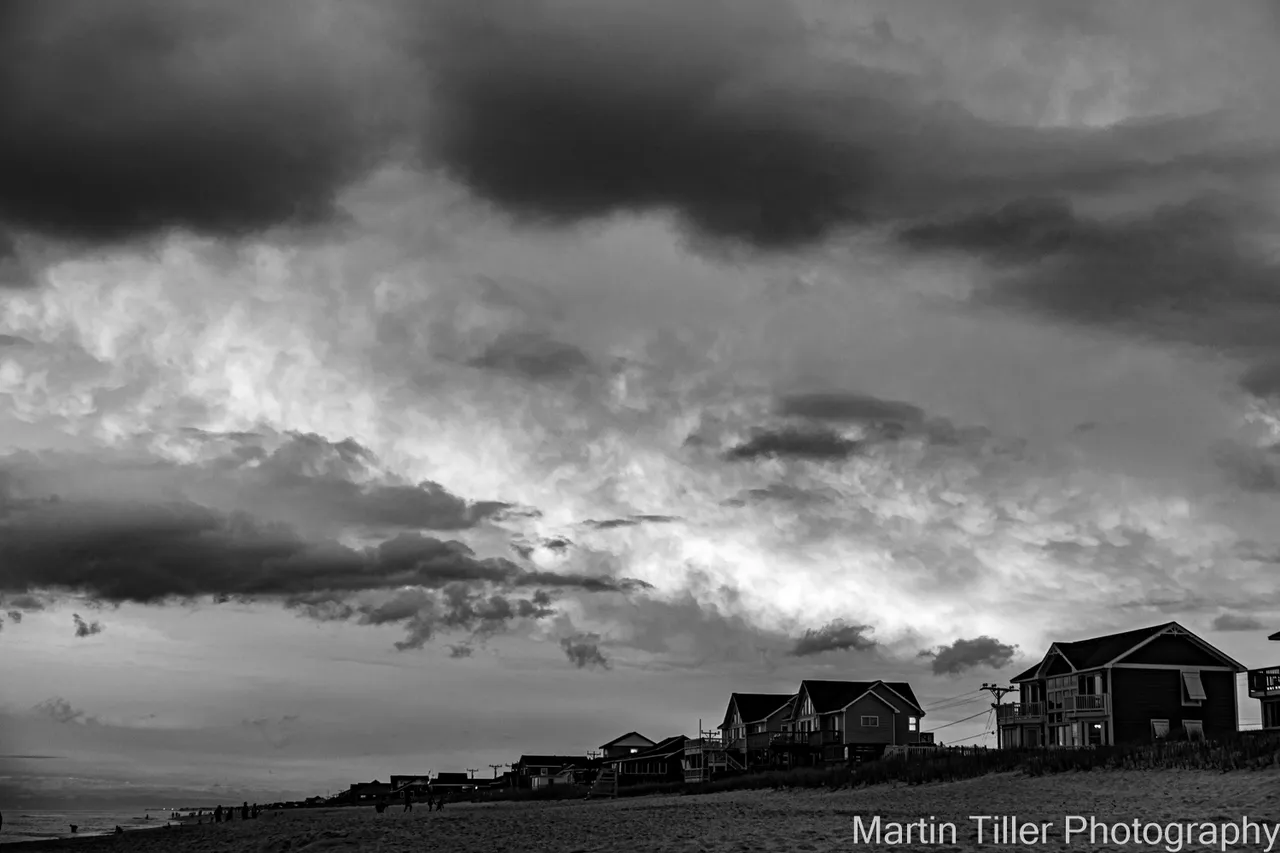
[1264,683]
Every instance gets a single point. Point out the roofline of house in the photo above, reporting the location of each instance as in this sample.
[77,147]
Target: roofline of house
[887,686]
[1166,629]
[1275,636]
[624,737]
[870,691]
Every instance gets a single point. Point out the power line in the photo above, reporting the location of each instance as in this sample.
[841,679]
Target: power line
[933,705]
[965,720]
[959,704]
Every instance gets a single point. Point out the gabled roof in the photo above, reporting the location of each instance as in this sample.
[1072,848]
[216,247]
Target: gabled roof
[1275,636]
[829,696]
[451,778]
[624,737]
[662,749]
[757,707]
[1099,651]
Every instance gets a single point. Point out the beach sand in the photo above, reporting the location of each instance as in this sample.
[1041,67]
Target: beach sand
[743,822]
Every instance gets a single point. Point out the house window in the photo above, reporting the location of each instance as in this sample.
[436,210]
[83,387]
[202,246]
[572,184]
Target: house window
[543,772]
[806,707]
[913,724]
[1195,729]
[1159,729]
[1192,689]
[870,722]
[634,750]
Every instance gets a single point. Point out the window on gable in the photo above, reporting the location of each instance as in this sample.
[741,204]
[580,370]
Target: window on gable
[1159,729]
[1192,689]
[870,722]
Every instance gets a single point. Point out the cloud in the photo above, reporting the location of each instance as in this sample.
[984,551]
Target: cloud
[632,521]
[583,651]
[850,408]
[460,651]
[86,629]
[1237,622]
[734,117]
[964,655]
[533,356]
[1263,380]
[814,444]
[15,616]
[61,711]
[277,732]
[224,120]
[835,636]
[1190,270]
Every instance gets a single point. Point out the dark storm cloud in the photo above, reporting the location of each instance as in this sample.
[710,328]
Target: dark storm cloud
[119,120]
[148,554]
[13,341]
[61,711]
[457,606]
[631,521]
[850,408]
[533,356]
[15,616]
[721,111]
[1263,380]
[583,651]
[1237,622]
[460,651]
[86,629]
[1253,469]
[1184,271]
[816,444]
[835,636]
[967,654]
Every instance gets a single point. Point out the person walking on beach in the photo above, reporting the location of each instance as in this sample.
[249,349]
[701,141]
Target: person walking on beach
[244,811]
[217,814]
[408,801]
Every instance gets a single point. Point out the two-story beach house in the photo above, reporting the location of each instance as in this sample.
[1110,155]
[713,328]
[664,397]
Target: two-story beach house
[835,721]
[750,722]
[662,762]
[1264,685]
[1132,687]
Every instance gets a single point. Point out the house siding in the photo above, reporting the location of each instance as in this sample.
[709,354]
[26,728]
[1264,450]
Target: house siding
[1170,650]
[870,706]
[1141,695]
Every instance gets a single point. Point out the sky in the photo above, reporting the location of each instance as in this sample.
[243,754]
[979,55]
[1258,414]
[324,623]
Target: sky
[401,387]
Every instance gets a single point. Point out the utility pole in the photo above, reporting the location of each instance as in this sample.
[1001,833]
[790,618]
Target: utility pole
[495,769]
[472,772]
[593,754]
[998,692]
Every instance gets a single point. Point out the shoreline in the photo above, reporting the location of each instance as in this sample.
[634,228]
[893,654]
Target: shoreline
[814,820]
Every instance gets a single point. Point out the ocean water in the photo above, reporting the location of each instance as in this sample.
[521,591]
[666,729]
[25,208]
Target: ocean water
[34,824]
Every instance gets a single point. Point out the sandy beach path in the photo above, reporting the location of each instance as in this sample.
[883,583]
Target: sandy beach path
[741,822]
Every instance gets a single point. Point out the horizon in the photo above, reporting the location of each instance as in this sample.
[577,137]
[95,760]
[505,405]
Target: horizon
[551,392]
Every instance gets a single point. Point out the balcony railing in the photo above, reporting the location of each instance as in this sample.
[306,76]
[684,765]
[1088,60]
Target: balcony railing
[1088,704]
[1016,712]
[1264,683]
[805,738]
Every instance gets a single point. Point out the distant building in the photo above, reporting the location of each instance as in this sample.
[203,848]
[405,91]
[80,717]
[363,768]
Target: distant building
[452,783]
[1264,685]
[530,766]
[662,762]
[1132,687]
[364,792]
[628,744]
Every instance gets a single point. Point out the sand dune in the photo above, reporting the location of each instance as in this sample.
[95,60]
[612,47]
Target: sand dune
[742,822]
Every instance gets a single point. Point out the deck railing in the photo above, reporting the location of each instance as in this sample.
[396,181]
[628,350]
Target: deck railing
[1018,711]
[1097,703]
[1264,683]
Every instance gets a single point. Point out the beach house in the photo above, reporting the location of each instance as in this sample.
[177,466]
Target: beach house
[530,766]
[662,762]
[838,721]
[1132,687]
[1264,685]
[628,744]
[749,722]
